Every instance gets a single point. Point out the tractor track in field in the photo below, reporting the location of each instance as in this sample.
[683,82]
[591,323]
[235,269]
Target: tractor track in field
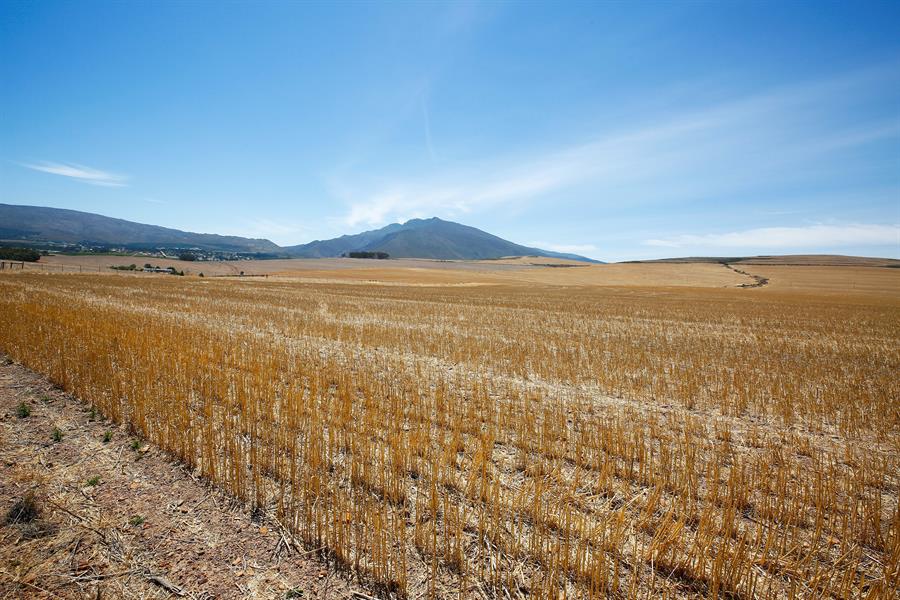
[758,280]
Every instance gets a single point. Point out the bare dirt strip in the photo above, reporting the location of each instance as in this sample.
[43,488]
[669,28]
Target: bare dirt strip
[758,280]
[88,511]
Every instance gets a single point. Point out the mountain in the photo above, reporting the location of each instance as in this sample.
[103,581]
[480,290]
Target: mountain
[37,223]
[340,245]
[417,238]
[424,238]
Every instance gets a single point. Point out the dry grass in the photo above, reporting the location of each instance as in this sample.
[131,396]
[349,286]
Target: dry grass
[842,282]
[516,272]
[822,260]
[842,275]
[513,440]
[144,525]
[527,270]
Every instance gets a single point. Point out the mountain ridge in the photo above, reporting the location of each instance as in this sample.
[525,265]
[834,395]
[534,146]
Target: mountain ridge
[425,238]
[45,224]
[432,238]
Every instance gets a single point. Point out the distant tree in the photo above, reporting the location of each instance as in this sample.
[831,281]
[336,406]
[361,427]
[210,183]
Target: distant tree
[361,254]
[188,256]
[23,254]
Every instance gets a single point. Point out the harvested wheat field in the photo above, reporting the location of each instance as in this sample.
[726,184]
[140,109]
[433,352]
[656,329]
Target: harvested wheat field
[546,433]
[94,511]
[411,271]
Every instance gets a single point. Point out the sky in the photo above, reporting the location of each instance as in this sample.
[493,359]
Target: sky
[619,131]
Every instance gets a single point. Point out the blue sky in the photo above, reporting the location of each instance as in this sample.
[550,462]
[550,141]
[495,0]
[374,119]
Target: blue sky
[619,131]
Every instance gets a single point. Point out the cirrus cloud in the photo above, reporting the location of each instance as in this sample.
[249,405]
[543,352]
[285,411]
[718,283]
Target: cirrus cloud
[80,173]
[756,142]
[584,249]
[809,236]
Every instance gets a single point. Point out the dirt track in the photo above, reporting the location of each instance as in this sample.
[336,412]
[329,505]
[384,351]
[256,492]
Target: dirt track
[758,280]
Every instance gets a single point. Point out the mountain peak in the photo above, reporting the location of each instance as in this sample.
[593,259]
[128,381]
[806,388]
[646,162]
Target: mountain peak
[431,237]
[421,221]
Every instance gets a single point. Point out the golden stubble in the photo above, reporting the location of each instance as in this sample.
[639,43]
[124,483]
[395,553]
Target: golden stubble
[511,440]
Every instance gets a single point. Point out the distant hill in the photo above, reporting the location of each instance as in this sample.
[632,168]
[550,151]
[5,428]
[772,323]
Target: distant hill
[41,224]
[418,238]
[340,245]
[819,260]
[425,238]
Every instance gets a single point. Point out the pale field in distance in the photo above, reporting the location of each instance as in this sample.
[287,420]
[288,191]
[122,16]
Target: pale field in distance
[526,270]
[841,275]
[502,430]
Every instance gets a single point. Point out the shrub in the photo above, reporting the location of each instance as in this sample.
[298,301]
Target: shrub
[22,254]
[24,510]
[23,410]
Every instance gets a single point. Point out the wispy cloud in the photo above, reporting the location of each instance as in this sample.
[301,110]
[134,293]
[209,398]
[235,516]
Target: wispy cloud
[774,136]
[80,173]
[280,231]
[586,249]
[467,189]
[810,236]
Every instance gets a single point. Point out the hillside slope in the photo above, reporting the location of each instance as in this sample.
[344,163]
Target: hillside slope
[339,245]
[417,238]
[807,260]
[425,238]
[38,223]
